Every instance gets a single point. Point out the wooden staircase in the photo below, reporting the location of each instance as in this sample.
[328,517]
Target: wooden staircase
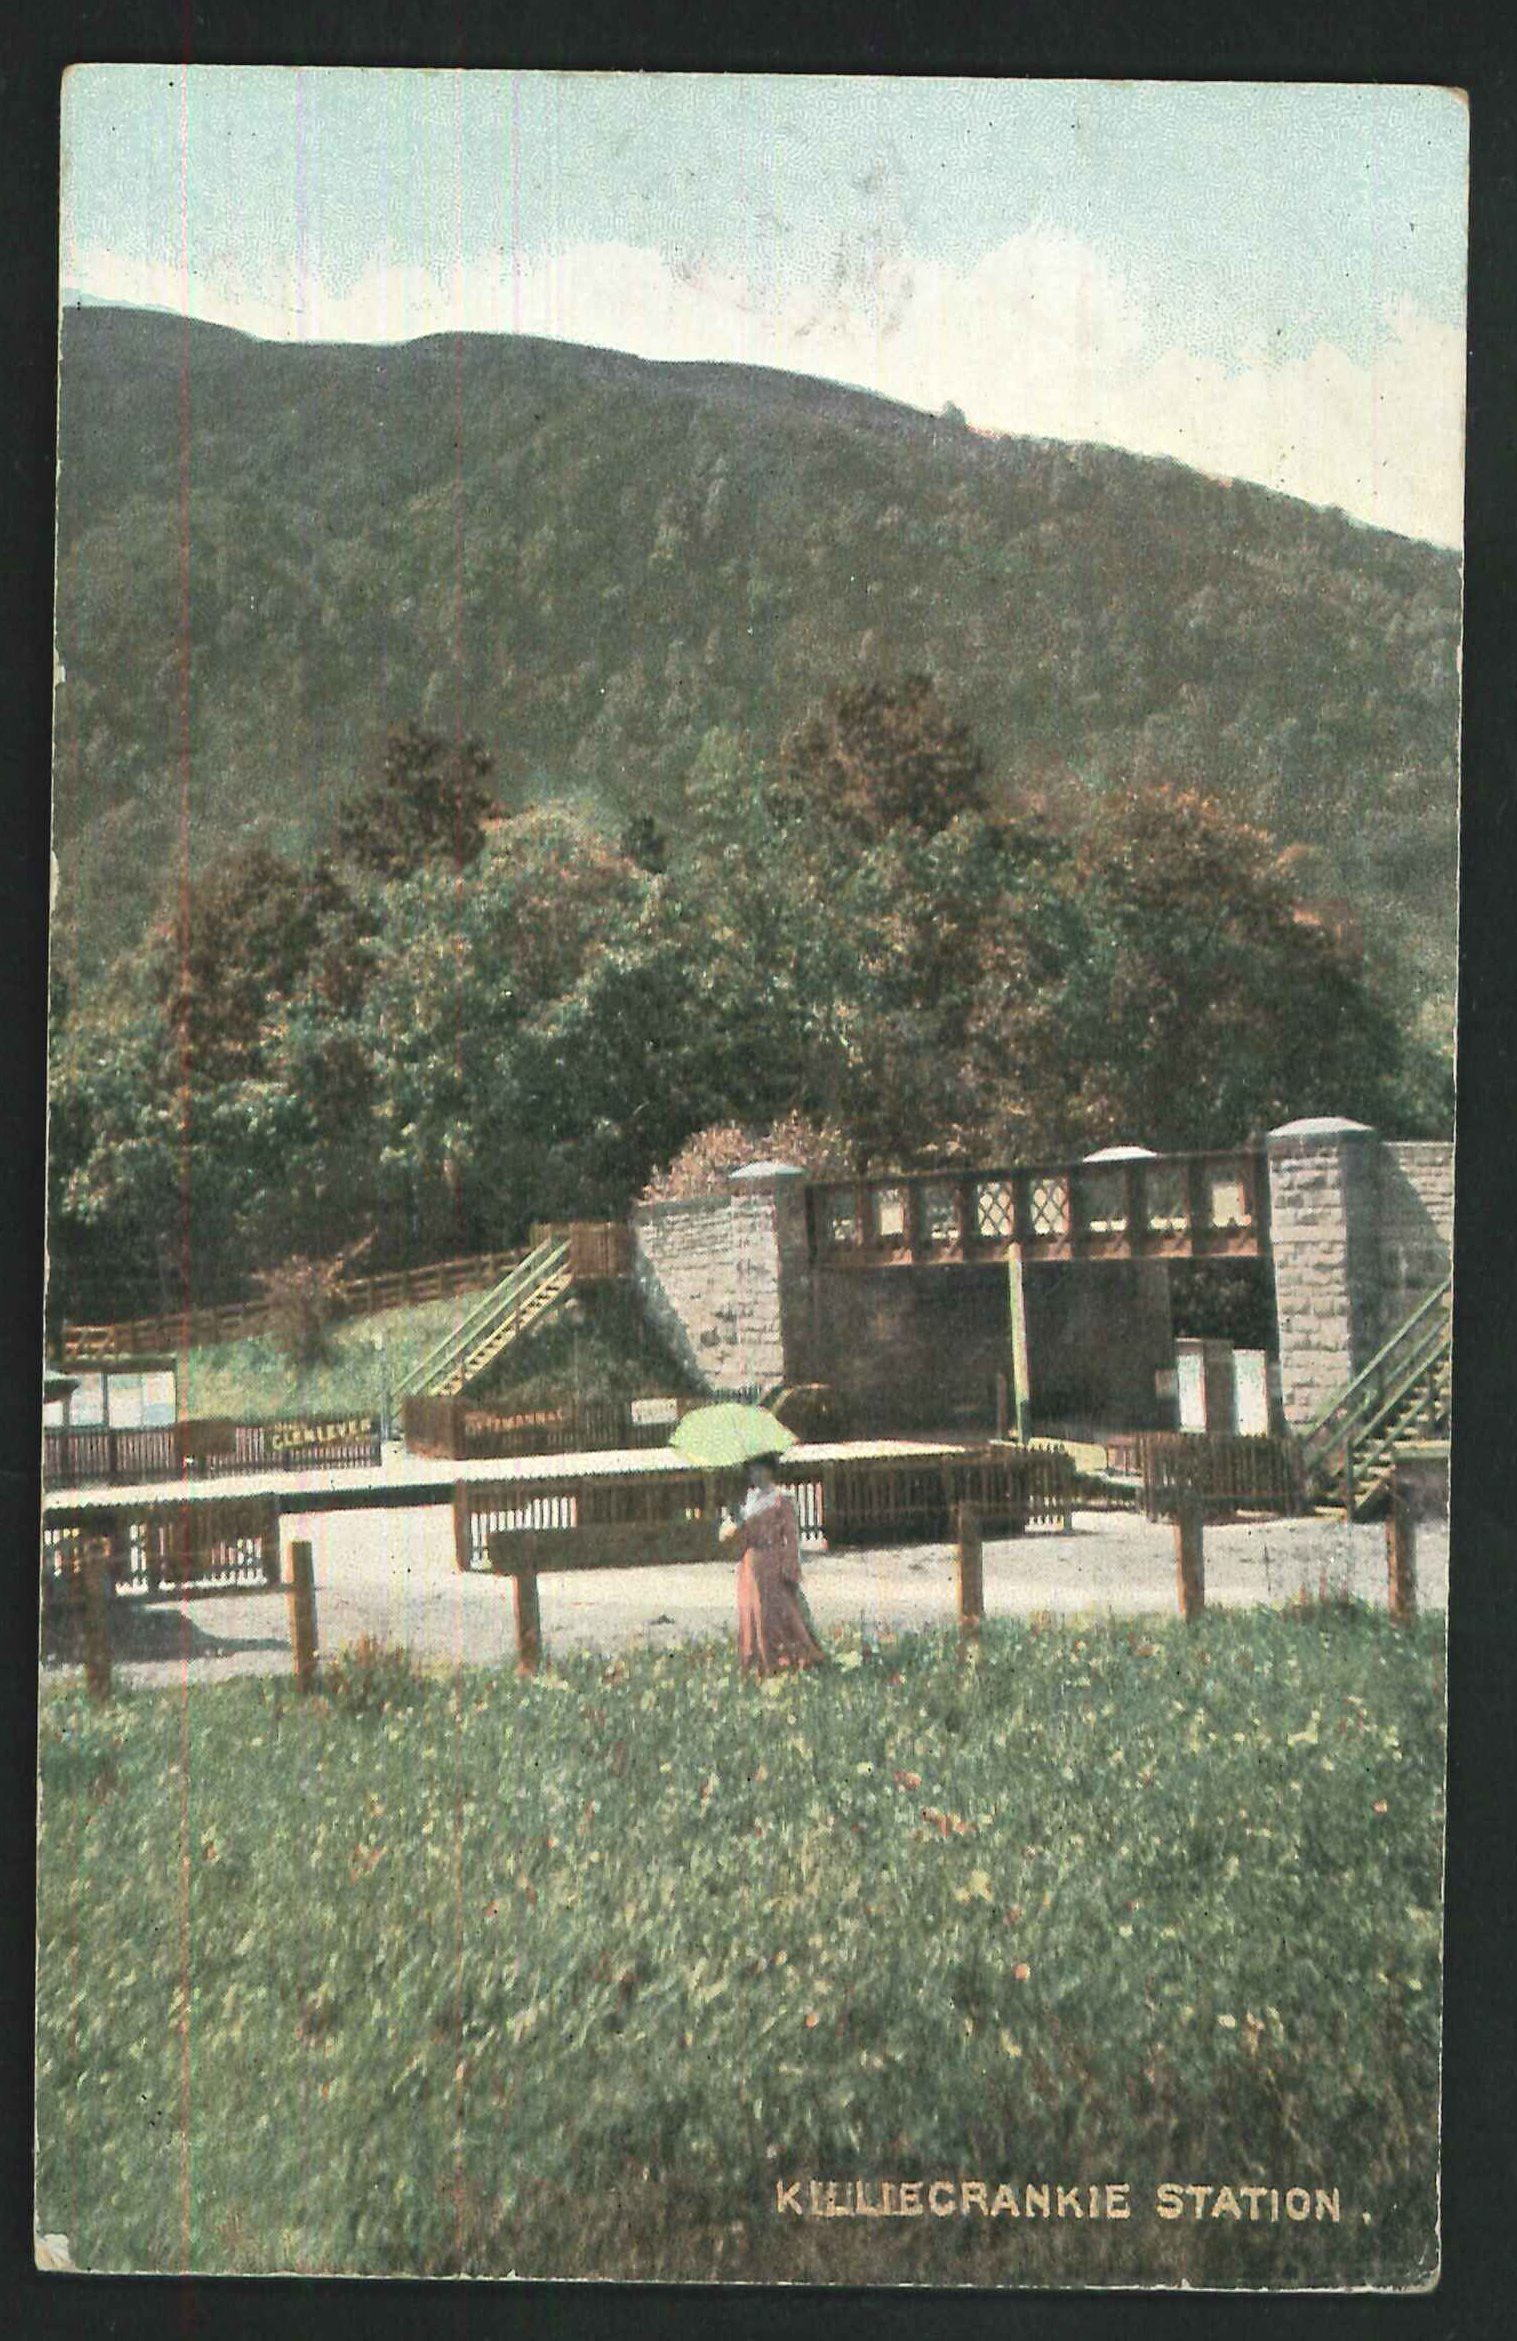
[510,1309]
[1401,1398]
[586,1252]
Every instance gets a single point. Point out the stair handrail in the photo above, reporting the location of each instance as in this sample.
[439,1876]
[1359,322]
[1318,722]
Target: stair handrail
[1365,1395]
[486,1323]
[499,1302]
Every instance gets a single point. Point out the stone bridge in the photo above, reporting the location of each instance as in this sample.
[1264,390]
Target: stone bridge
[911,1293]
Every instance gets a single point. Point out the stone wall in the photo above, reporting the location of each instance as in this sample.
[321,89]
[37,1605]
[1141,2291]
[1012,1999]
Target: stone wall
[1323,1235]
[1359,1231]
[683,1267]
[1097,1333]
[909,1349]
[1416,1224]
[722,1276]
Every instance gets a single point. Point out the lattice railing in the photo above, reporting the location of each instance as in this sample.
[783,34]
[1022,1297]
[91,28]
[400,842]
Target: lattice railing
[1179,1206]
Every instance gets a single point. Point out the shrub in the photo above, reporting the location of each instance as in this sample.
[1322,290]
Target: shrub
[702,1164]
[370,1676]
[305,1298]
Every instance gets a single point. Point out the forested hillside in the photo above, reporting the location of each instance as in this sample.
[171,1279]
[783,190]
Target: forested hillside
[590,562]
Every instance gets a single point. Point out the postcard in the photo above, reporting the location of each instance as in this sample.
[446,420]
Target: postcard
[747,1400]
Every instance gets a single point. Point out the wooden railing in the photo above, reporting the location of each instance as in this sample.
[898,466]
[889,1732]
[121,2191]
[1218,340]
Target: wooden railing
[207,1328]
[74,1458]
[498,1308]
[207,1448]
[562,1257]
[879,1500]
[173,1547]
[1405,1385]
[1228,1472]
[600,1250]
[1163,1207]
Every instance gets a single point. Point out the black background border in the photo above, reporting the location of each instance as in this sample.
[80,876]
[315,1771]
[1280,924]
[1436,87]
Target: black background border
[1459,46]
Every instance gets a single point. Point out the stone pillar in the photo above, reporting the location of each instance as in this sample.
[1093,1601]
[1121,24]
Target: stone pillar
[771,1270]
[1324,1203]
[727,1277]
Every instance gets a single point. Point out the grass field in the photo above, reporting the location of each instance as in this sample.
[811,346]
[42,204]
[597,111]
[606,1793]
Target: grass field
[563,1976]
[608,1352]
[250,1381]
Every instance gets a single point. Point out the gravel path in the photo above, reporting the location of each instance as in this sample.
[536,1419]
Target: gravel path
[392,1575]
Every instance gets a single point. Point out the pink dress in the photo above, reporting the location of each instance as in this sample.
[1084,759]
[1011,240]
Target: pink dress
[772,1631]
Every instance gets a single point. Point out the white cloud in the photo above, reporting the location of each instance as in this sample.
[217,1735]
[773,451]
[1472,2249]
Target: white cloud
[1039,336]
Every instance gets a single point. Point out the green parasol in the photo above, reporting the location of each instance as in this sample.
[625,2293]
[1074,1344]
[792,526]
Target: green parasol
[719,1438]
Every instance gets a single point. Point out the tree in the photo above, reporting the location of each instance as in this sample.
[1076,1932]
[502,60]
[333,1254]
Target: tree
[705,1162]
[643,842]
[1155,983]
[209,1110]
[878,755]
[252,928]
[473,1105]
[115,1187]
[451,1054]
[430,804]
[305,1299]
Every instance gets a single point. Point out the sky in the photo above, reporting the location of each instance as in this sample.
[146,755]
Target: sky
[1265,281]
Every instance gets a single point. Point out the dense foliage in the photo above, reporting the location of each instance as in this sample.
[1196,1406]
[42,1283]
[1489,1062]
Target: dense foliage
[474,1975]
[430,803]
[705,1163]
[269,555]
[887,970]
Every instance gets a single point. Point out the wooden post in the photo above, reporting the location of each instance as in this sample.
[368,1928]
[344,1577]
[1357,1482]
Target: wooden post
[120,1534]
[1190,1562]
[529,1630]
[1021,1374]
[300,1586]
[95,1586]
[911,1217]
[271,1544]
[971,1571]
[1401,1556]
[1135,1207]
[1002,1412]
[463,1546]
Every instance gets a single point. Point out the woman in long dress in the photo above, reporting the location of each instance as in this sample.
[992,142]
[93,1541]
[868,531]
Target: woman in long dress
[773,1629]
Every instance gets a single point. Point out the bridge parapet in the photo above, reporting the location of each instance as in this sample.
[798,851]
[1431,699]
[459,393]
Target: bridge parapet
[1194,1206]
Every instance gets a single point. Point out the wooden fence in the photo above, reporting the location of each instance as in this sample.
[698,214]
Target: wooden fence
[877,1500]
[461,1428]
[170,1548]
[887,1501]
[73,1458]
[1226,1473]
[332,1443]
[599,1249]
[359,1296]
[209,1447]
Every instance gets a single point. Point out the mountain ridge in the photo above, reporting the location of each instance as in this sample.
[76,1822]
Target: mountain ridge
[591,559]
